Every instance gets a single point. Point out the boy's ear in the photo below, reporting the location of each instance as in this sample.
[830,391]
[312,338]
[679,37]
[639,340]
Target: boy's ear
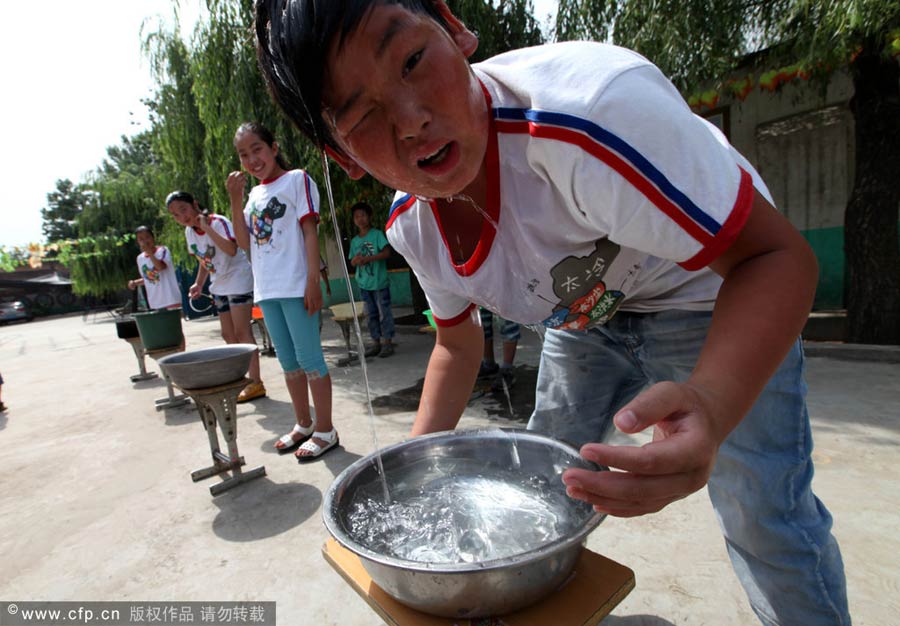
[465,39]
[347,164]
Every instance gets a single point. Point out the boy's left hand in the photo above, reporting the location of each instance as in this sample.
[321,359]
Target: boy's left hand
[678,462]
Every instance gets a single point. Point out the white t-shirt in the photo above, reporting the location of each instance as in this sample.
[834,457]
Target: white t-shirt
[273,215]
[162,286]
[229,275]
[607,193]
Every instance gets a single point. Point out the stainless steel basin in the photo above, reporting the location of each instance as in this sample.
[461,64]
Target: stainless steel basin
[506,461]
[209,367]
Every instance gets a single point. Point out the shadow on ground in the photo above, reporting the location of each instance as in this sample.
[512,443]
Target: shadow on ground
[181,415]
[517,406]
[267,510]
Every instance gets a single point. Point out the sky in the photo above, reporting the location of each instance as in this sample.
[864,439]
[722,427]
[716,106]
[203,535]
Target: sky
[73,76]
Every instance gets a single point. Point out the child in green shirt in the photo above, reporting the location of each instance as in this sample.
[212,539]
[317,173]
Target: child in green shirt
[369,251]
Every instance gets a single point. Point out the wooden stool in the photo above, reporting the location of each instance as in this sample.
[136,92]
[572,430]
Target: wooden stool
[139,354]
[596,586]
[173,400]
[218,405]
[343,315]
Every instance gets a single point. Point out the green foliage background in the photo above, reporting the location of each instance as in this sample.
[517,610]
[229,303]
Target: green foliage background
[207,84]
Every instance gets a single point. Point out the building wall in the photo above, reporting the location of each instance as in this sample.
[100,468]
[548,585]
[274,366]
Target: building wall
[802,143]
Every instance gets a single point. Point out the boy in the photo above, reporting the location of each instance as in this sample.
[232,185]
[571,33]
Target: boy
[570,185]
[369,251]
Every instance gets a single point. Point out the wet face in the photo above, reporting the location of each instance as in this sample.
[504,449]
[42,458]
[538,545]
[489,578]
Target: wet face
[403,104]
[257,157]
[185,213]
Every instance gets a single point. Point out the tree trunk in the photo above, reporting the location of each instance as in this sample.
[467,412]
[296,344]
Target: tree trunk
[870,223]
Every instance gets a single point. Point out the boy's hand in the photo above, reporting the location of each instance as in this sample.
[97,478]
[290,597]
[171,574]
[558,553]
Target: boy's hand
[132,285]
[194,291]
[235,184]
[203,222]
[675,464]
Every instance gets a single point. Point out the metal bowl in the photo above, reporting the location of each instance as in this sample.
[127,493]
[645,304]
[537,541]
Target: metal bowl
[506,459]
[209,367]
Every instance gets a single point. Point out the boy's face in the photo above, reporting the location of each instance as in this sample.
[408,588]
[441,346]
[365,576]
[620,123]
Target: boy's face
[404,105]
[361,219]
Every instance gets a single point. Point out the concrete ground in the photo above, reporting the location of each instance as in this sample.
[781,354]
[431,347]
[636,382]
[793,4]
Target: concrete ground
[96,502]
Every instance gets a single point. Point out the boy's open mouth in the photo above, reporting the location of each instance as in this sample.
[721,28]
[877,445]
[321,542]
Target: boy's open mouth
[436,158]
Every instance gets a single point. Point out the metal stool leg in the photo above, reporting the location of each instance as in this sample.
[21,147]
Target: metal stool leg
[138,348]
[351,357]
[220,408]
[173,400]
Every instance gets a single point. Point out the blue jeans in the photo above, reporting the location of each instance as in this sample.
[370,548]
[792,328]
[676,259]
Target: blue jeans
[777,532]
[378,308]
[509,331]
[295,335]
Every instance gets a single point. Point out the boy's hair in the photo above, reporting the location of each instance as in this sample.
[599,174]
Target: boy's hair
[266,136]
[143,229]
[361,206]
[292,42]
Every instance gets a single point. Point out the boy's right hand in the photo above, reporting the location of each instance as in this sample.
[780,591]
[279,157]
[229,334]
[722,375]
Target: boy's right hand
[132,285]
[235,184]
[194,291]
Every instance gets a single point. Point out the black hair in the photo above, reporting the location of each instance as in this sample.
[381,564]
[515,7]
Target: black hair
[266,136]
[292,42]
[361,206]
[183,196]
[144,229]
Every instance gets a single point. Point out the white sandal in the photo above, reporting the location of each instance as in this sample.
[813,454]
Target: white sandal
[288,442]
[315,450]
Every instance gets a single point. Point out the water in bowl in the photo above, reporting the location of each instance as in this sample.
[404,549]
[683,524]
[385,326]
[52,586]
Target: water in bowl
[452,513]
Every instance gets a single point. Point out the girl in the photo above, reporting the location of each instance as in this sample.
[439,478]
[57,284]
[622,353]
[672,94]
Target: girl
[157,273]
[278,228]
[210,238]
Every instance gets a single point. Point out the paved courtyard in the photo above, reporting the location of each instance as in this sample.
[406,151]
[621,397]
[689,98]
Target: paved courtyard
[96,501]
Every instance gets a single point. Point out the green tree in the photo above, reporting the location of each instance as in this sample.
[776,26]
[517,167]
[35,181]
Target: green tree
[694,41]
[501,25]
[63,208]
[120,195]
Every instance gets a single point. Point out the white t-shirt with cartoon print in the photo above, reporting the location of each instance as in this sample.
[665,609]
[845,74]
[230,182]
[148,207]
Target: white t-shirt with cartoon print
[273,215]
[162,286]
[229,275]
[607,193]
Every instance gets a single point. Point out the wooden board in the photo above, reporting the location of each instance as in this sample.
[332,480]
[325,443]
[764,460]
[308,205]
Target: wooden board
[597,586]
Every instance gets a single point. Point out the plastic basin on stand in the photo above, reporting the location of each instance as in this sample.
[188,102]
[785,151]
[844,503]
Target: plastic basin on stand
[126,328]
[159,329]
